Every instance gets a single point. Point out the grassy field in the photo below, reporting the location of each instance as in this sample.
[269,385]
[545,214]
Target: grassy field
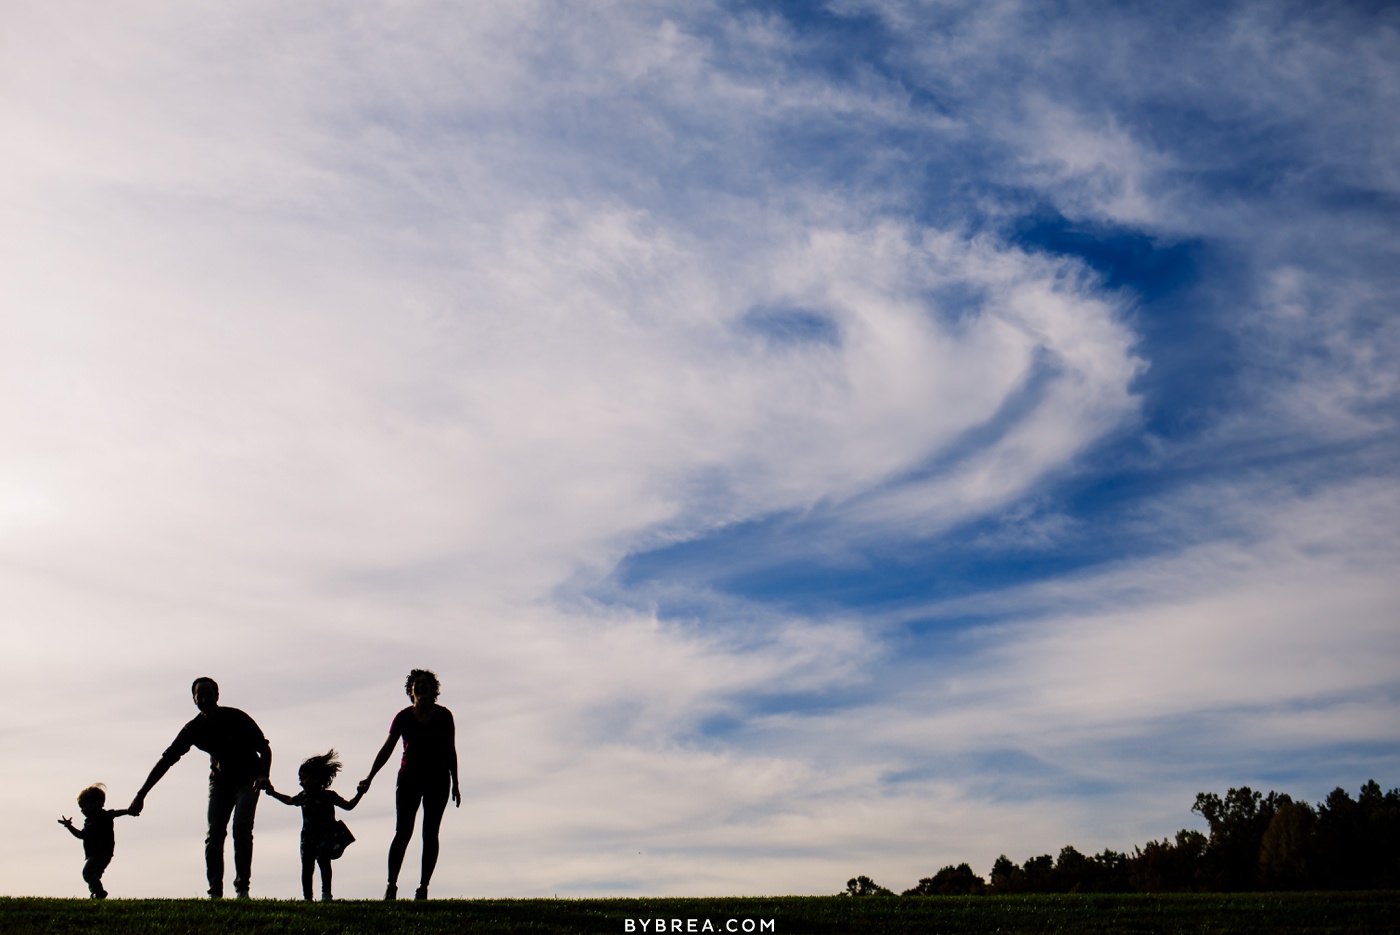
[1254,913]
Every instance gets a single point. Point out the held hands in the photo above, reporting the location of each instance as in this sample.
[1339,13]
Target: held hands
[134,809]
[363,787]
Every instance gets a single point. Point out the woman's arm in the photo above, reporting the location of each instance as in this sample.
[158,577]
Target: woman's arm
[452,754]
[380,759]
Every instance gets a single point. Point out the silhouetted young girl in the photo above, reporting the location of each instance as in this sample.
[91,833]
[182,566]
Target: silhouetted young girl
[320,839]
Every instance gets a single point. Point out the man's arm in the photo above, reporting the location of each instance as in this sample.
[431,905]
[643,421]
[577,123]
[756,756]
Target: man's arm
[265,758]
[183,741]
[160,769]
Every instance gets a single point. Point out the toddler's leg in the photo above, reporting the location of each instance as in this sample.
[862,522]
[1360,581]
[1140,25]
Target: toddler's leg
[92,876]
[325,864]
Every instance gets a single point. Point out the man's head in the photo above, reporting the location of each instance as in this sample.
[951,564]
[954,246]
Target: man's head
[205,692]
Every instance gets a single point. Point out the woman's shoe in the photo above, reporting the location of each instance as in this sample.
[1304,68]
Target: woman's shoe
[421,892]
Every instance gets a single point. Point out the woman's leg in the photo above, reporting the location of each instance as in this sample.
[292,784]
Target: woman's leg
[406,799]
[434,804]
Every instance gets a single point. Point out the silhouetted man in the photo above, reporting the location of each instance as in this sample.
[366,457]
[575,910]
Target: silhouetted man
[239,762]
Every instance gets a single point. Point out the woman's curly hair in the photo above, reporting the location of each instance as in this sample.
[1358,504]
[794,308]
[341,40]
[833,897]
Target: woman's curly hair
[422,674]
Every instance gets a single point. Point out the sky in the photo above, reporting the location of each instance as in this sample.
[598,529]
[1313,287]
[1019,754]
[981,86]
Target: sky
[807,439]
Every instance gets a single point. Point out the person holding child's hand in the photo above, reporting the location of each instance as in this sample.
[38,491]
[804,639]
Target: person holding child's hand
[426,773]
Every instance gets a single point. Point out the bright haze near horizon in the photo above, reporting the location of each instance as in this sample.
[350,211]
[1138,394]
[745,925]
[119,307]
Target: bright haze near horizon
[807,439]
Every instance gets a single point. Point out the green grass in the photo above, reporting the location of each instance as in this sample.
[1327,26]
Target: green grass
[1232,914]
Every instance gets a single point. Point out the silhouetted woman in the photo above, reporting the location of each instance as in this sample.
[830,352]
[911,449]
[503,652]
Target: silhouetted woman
[428,769]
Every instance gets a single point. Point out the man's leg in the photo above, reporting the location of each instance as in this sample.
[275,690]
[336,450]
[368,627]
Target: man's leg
[221,802]
[245,807]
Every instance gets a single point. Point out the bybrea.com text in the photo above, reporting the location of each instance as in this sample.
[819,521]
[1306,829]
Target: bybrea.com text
[659,926]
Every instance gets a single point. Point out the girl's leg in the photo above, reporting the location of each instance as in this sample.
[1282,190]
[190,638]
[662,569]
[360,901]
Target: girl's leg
[434,804]
[308,866]
[406,799]
[324,862]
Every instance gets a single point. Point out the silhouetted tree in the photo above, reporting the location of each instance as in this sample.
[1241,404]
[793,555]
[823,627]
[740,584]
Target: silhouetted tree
[1036,874]
[1237,826]
[1108,873]
[1287,853]
[864,886]
[1255,840]
[1007,877]
[1168,866]
[1338,830]
[950,881]
[1070,871]
[1358,840]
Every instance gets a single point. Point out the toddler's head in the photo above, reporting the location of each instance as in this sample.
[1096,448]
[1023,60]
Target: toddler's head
[91,799]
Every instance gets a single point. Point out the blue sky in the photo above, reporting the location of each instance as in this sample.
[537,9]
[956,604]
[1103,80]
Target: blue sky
[807,439]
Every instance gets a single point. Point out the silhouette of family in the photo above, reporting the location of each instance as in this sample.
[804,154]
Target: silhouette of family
[240,764]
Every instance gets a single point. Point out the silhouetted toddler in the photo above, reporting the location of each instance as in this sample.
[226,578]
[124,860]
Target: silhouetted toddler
[98,837]
[322,839]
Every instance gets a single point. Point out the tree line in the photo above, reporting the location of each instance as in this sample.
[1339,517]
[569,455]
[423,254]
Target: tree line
[1255,842]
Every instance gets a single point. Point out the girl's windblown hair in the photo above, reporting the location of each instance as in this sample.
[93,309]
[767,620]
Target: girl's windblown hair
[317,772]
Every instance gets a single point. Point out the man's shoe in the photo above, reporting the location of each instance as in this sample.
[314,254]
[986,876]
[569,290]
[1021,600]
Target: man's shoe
[421,893]
[391,891]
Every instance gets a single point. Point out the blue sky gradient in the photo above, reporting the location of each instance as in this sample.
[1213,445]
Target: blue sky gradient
[807,438]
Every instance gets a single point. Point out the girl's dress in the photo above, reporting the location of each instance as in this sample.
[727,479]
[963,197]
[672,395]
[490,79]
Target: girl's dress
[321,833]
